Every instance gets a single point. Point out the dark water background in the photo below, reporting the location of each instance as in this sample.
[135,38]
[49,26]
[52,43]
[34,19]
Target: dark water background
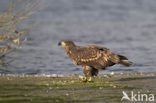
[126,27]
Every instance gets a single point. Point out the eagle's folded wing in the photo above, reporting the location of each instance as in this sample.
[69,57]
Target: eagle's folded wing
[88,55]
[94,55]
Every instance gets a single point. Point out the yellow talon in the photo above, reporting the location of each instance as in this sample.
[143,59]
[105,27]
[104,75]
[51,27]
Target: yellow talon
[84,79]
[90,79]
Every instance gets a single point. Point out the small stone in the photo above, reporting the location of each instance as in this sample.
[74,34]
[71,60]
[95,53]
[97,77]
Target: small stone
[80,76]
[121,73]
[67,94]
[54,75]
[48,75]
[100,88]
[114,86]
[50,88]
[112,73]
[72,81]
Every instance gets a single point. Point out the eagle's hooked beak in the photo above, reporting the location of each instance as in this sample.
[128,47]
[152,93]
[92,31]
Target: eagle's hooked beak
[62,43]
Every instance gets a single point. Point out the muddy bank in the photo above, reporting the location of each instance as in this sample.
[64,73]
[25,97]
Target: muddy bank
[68,89]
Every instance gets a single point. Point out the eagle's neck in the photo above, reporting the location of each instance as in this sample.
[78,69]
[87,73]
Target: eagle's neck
[70,49]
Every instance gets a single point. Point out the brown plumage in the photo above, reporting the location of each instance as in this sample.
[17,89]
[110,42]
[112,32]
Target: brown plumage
[92,58]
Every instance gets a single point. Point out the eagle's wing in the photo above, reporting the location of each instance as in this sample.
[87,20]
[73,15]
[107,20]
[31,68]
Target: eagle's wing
[86,54]
[94,55]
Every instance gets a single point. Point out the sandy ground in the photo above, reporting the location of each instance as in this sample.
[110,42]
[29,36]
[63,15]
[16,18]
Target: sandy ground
[68,89]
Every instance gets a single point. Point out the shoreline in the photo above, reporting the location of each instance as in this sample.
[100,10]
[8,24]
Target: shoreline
[64,75]
[67,88]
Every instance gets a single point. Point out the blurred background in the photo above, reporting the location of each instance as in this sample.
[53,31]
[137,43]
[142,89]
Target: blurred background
[126,27]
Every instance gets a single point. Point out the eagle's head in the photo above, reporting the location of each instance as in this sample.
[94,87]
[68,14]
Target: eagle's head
[66,43]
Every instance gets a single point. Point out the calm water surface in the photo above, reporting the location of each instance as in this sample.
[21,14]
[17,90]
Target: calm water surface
[126,27]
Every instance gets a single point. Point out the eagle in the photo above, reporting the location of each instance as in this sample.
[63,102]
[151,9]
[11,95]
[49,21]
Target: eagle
[92,58]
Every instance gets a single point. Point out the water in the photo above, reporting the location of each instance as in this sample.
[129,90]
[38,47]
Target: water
[126,27]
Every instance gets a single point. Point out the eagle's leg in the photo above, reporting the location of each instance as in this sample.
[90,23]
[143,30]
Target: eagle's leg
[87,70]
[94,72]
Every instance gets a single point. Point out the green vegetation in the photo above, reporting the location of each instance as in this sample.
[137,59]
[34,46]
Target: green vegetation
[67,89]
[76,83]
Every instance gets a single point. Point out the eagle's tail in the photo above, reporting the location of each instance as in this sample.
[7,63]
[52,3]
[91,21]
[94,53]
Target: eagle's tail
[124,61]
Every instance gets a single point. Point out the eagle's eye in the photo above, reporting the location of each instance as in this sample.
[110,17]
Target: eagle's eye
[59,43]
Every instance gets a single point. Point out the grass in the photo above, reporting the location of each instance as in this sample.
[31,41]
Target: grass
[41,89]
[53,83]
